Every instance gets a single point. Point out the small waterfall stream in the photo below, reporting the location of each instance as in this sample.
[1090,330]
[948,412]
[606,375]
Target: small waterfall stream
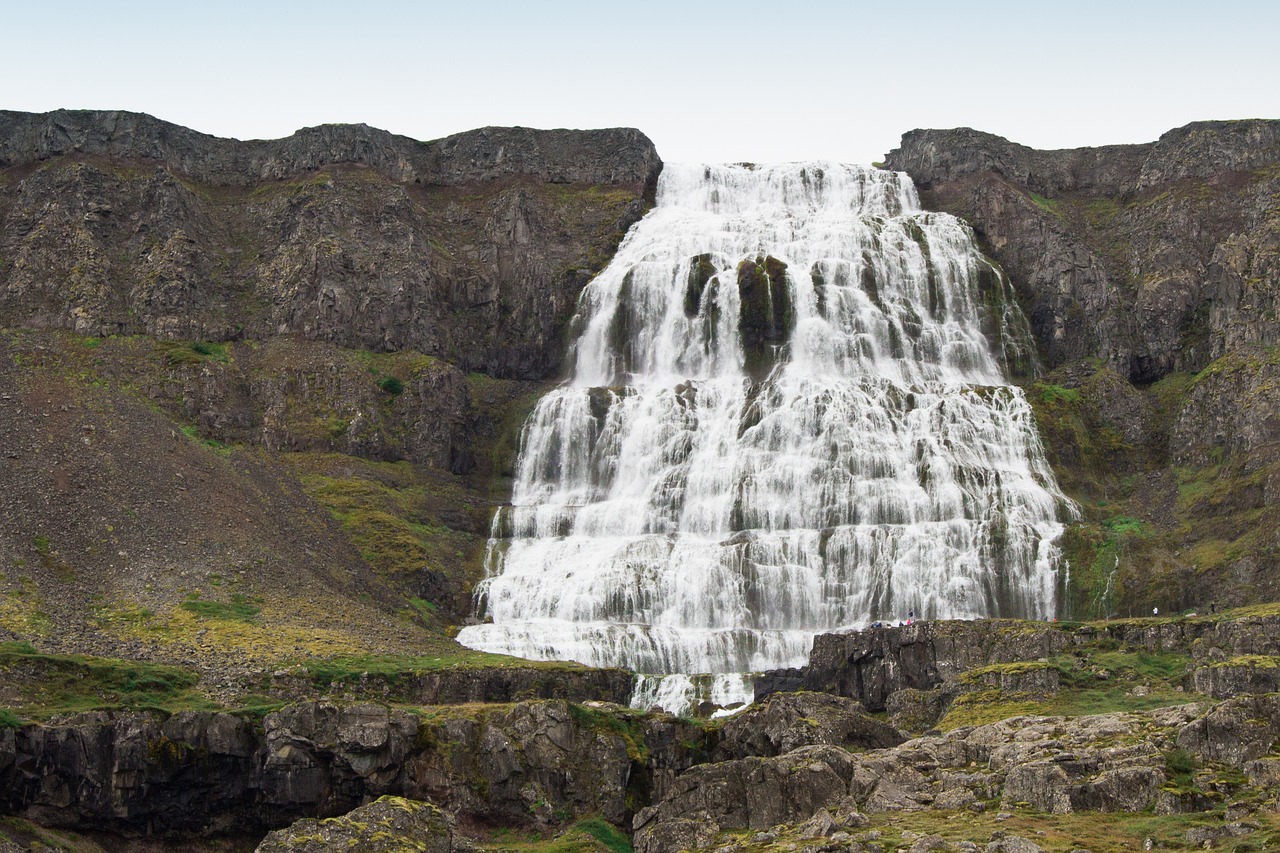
[789,413]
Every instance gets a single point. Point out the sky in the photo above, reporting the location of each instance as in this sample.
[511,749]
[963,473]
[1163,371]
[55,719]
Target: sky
[707,81]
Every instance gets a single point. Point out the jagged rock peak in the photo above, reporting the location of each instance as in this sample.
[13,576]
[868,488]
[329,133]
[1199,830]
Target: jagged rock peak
[609,156]
[1196,150]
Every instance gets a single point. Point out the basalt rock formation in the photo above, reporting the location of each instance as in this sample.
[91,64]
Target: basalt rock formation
[246,386]
[1151,277]
[296,367]
[472,247]
[1154,258]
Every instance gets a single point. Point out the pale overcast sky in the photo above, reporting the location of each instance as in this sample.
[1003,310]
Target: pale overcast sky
[707,81]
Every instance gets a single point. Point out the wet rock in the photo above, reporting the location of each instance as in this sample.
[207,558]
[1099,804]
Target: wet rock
[766,315]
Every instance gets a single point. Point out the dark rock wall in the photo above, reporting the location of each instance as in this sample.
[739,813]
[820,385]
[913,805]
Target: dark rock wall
[871,666]
[144,773]
[1153,257]
[1151,276]
[473,247]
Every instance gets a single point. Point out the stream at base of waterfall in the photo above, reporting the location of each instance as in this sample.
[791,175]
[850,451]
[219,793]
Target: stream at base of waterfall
[790,413]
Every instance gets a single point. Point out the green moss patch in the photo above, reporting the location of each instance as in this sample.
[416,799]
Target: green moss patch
[238,609]
[58,684]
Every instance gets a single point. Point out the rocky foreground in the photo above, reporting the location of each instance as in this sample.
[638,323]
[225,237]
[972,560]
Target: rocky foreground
[971,756]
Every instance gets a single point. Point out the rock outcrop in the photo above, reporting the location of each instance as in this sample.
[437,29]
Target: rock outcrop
[387,825]
[201,773]
[915,671]
[1154,257]
[1142,264]
[787,721]
[472,247]
[1169,761]
[872,665]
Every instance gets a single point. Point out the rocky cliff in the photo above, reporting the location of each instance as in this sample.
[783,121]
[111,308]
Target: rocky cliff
[1154,257]
[1151,276]
[1117,750]
[472,247]
[285,377]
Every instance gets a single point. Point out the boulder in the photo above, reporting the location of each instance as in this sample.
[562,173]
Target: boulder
[787,721]
[388,824]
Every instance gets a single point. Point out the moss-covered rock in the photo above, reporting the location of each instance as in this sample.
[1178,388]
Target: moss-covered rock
[387,825]
[766,316]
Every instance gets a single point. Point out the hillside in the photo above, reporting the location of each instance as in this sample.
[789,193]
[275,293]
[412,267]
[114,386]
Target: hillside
[240,382]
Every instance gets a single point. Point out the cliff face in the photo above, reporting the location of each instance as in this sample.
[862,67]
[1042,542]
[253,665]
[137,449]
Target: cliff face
[286,373]
[1155,258]
[472,247]
[1151,276]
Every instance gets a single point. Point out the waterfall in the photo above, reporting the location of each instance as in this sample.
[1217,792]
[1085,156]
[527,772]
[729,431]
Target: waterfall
[789,413]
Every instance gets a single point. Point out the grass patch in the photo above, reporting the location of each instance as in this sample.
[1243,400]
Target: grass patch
[214,445]
[59,684]
[628,726]
[239,609]
[393,669]
[405,521]
[179,353]
[9,720]
[588,835]
[1101,682]
[1160,666]
[1050,394]
[1061,833]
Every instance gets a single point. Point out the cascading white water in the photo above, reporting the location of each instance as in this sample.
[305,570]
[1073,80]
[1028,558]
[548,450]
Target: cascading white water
[788,414]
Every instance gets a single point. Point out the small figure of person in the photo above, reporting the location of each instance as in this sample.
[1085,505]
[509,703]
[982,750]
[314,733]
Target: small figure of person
[1155,611]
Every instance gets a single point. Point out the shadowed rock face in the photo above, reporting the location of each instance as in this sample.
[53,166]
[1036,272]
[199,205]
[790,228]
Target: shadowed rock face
[1154,257]
[199,773]
[472,248]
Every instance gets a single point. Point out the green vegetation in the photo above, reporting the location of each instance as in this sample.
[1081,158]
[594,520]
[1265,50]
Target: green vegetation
[391,385]
[9,720]
[1050,394]
[178,353]
[626,724]
[395,669]
[588,835]
[1050,205]
[1061,833]
[395,515]
[1094,680]
[59,684]
[239,609]
[1180,765]
[214,445]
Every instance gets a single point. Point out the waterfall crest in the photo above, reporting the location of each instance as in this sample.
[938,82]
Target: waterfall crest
[788,414]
